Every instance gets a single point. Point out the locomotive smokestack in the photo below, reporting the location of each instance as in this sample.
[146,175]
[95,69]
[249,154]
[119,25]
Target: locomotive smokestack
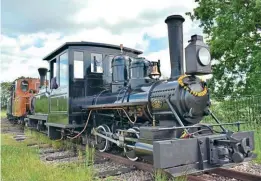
[175,33]
[42,73]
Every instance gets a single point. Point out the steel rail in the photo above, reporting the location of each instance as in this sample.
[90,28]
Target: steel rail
[139,165]
[236,174]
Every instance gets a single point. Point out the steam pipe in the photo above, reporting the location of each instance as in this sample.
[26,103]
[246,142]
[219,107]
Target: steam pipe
[175,34]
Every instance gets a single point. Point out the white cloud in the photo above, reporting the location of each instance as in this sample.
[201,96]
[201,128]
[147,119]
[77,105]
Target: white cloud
[157,31]
[20,56]
[9,44]
[115,11]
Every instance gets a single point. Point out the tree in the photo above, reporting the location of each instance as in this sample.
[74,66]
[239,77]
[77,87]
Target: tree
[5,93]
[22,77]
[233,33]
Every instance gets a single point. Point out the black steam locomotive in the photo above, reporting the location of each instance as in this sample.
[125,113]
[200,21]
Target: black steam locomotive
[112,95]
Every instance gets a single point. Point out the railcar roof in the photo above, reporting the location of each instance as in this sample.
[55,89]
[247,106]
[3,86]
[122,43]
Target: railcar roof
[85,43]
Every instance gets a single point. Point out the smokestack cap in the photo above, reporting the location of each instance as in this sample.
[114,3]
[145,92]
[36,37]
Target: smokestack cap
[174,17]
[42,71]
[195,38]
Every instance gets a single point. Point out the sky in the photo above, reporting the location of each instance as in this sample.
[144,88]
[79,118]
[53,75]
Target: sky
[31,29]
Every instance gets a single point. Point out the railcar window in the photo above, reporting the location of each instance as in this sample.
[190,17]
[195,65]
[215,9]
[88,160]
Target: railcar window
[64,70]
[110,60]
[53,69]
[78,65]
[96,63]
[107,70]
[24,86]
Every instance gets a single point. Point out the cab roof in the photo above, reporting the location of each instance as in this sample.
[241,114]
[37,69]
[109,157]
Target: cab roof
[85,43]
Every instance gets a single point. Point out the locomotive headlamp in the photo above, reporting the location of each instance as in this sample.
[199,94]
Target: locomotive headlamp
[197,57]
[204,56]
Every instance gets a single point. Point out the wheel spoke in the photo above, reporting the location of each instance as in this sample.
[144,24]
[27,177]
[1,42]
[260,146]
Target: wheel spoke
[103,144]
[130,152]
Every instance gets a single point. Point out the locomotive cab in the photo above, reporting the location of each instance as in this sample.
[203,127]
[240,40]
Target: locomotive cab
[21,93]
[77,72]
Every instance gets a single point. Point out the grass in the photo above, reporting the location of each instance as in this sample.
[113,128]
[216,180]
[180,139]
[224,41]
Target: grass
[40,138]
[257,136]
[22,163]
[159,175]
[3,113]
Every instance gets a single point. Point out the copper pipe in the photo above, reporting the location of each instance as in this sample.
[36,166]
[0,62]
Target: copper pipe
[85,126]
[103,109]
[122,110]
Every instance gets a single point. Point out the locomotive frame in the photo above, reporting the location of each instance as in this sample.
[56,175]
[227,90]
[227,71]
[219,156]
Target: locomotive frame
[108,93]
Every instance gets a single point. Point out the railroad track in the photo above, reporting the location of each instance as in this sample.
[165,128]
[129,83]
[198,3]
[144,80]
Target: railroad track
[225,174]
[105,165]
[120,168]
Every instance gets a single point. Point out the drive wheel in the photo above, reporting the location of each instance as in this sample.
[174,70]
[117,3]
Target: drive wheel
[101,143]
[130,152]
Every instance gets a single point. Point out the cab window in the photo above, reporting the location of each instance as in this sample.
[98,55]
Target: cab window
[24,86]
[64,69]
[52,69]
[78,65]
[96,63]
[109,63]
[107,70]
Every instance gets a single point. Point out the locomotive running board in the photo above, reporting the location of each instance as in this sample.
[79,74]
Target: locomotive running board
[38,116]
[187,156]
[115,105]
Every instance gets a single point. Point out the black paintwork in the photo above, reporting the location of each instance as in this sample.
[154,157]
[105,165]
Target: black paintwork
[175,33]
[120,72]
[140,70]
[85,44]
[75,91]
[192,66]
[181,149]
[42,73]
[182,101]
[66,102]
